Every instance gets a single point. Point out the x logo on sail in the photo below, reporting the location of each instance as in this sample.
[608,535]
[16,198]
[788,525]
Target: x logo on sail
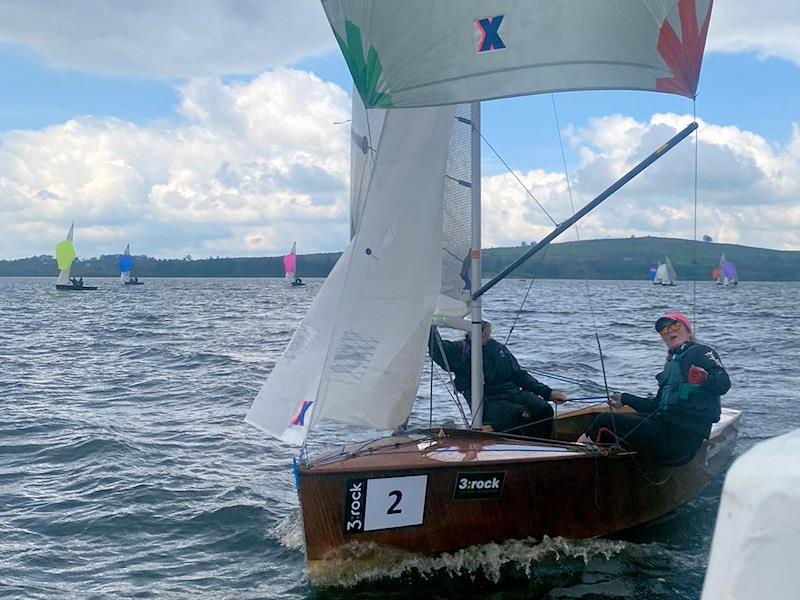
[490,38]
[300,414]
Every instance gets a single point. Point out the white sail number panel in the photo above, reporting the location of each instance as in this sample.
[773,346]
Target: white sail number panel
[384,503]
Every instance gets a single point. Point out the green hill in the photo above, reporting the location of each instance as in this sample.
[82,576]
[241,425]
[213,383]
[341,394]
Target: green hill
[627,258]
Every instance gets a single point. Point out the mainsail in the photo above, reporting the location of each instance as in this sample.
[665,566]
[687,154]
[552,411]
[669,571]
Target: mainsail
[357,355]
[125,265]
[366,127]
[290,263]
[423,53]
[65,255]
[672,276]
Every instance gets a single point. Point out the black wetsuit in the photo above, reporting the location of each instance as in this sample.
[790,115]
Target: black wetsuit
[671,425]
[514,401]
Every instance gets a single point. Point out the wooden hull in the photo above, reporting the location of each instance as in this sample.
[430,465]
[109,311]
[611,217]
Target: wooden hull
[462,488]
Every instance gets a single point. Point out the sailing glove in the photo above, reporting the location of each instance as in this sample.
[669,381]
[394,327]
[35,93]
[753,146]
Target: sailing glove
[697,375]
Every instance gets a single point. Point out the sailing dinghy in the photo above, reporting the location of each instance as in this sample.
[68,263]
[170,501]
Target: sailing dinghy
[290,267]
[665,274]
[725,274]
[65,256]
[357,356]
[125,267]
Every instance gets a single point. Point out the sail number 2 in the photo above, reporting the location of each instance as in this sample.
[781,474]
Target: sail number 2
[384,503]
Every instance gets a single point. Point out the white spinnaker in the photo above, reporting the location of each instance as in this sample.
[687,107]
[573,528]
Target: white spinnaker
[428,52]
[357,356]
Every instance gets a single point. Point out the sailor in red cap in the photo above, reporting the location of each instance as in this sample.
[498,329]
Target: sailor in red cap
[672,424]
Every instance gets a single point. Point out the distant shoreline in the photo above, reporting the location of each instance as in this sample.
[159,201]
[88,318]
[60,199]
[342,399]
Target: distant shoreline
[605,259]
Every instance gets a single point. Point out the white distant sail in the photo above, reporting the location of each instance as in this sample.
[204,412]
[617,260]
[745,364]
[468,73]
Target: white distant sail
[426,53]
[661,274]
[357,356]
[672,276]
[665,274]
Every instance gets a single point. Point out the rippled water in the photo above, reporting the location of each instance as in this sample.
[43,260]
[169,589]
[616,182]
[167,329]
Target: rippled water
[126,470]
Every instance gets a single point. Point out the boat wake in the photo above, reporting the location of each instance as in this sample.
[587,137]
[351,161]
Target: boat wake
[516,559]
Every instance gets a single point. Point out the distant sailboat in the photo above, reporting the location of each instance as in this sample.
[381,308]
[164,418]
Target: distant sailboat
[665,274]
[65,255]
[725,273]
[125,268]
[290,266]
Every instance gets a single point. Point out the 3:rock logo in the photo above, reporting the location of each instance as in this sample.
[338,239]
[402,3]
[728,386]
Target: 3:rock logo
[480,485]
[355,504]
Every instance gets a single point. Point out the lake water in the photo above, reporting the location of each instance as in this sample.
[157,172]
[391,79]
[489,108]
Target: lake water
[126,470]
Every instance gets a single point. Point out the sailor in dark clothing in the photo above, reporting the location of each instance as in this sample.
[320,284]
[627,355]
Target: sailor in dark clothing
[514,400]
[671,425]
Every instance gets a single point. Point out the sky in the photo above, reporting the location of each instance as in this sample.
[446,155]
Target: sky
[219,128]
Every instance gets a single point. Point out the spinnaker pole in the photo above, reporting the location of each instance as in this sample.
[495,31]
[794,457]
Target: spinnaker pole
[562,227]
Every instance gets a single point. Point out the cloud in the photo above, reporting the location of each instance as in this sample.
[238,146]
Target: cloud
[747,188]
[175,39]
[768,29]
[258,165]
[255,166]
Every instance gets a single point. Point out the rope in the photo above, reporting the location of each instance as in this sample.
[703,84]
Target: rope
[430,406]
[583,267]
[694,245]
[505,164]
[450,375]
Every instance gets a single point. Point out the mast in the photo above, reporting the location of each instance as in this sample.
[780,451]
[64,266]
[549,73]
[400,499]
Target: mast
[476,334]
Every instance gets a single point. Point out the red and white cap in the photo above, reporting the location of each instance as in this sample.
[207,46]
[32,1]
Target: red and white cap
[661,322]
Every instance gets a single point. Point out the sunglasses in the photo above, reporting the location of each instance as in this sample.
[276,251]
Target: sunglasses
[670,328]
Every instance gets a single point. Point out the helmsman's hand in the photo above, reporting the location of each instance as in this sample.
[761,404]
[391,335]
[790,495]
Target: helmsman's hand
[558,397]
[615,400]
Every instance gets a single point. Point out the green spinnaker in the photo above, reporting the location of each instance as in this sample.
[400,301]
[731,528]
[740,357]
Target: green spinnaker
[65,254]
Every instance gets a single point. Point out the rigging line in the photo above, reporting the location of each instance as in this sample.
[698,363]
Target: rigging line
[449,374]
[544,210]
[521,306]
[430,407]
[584,383]
[694,245]
[585,278]
[605,382]
[572,207]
